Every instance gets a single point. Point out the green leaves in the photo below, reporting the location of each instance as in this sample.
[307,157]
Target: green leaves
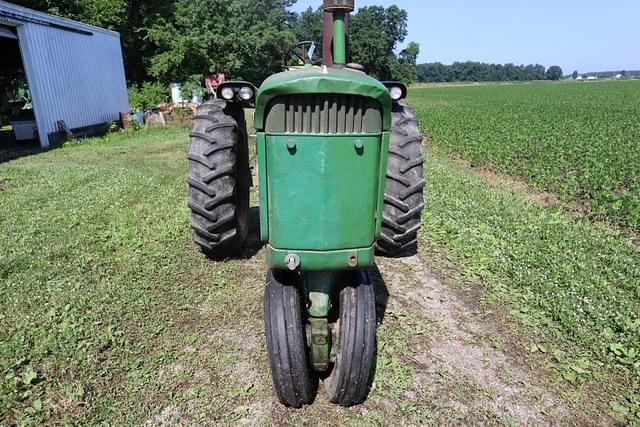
[624,354]
[576,140]
[147,95]
[627,408]
[242,38]
[30,376]
[375,33]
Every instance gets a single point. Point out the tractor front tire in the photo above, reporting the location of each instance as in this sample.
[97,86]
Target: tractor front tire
[355,343]
[293,381]
[403,197]
[219,179]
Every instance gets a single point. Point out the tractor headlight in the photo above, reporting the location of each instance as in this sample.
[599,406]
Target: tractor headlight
[246,93]
[396,93]
[227,93]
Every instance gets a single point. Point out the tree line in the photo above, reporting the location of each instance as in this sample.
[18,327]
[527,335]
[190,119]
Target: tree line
[182,40]
[481,72]
[167,41]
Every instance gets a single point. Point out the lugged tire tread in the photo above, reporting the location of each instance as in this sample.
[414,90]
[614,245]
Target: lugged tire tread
[398,178]
[414,189]
[218,172]
[415,211]
[394,201]
[205,234]
[403,201]
[392,225]
[396,151]
[412,164]
[221,125]
[219,199]
[218,188]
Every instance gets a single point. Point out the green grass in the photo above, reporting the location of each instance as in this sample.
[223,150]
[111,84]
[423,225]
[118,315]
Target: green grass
[573,282]
[98,281]
[577,140]
[108,313]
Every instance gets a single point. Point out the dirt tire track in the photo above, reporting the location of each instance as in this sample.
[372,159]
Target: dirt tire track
[457,376]
[457,353]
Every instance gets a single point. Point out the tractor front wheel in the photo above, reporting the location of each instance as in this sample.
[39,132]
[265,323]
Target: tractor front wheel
[403,197]
[293,381]
[355,342]
[219,179]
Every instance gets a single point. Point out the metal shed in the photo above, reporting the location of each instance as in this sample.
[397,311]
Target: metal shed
[74,71]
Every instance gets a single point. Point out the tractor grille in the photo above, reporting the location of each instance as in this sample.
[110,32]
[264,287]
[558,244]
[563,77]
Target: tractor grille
[324,114]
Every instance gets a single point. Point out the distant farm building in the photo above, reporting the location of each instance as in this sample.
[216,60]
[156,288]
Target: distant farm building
[57,74]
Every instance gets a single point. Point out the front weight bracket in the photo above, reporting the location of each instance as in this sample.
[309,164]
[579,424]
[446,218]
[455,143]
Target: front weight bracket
[318,288]
[319,338]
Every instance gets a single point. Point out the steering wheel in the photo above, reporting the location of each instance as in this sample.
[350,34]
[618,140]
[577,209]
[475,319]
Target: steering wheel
[301,51]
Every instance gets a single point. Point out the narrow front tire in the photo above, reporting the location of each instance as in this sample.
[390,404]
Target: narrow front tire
[355,346]
[293,382]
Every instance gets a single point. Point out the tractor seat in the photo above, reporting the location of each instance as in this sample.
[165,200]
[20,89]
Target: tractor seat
[355,66]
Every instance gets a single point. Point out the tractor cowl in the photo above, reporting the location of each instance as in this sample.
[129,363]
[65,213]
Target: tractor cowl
[339,5]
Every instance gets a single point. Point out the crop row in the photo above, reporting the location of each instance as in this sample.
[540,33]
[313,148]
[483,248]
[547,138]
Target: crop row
[581,141]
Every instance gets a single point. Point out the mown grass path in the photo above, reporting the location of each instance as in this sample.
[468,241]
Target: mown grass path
[109,314]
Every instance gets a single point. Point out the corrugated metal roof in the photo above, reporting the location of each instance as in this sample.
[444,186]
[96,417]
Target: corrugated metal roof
[75,74]
[14,14]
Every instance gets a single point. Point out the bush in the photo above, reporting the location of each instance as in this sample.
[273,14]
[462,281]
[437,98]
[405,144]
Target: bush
[149,94]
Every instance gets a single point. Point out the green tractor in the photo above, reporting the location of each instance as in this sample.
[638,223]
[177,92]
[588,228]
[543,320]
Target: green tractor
[341,178]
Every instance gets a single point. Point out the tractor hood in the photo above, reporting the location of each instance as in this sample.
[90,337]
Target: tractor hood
[323,79]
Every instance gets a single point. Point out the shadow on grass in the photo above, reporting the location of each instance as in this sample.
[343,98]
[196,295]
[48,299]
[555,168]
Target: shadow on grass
[382,293]
[252,246]
[254,242]
[12,150]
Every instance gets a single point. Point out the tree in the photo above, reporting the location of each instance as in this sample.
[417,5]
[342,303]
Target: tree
[309,25]
[405,69]
[128,17]
[435,72]
[554,73]
[110,14]
[575,75]
[479,72]
[375,33]
[182,40]
[245,39]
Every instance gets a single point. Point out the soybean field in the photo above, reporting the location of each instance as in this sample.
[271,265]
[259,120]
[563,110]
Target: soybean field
[581,141]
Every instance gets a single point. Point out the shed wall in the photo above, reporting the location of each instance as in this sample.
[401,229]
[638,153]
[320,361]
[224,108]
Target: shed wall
[73,77]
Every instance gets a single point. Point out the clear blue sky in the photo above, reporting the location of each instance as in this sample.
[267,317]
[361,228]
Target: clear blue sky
[584,35]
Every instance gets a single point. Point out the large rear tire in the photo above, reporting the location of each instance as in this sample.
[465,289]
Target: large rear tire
[355,345]
[403,197]
[293,382]
[219,179]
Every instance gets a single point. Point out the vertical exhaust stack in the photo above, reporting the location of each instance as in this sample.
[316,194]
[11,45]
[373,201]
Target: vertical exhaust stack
[336,21]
